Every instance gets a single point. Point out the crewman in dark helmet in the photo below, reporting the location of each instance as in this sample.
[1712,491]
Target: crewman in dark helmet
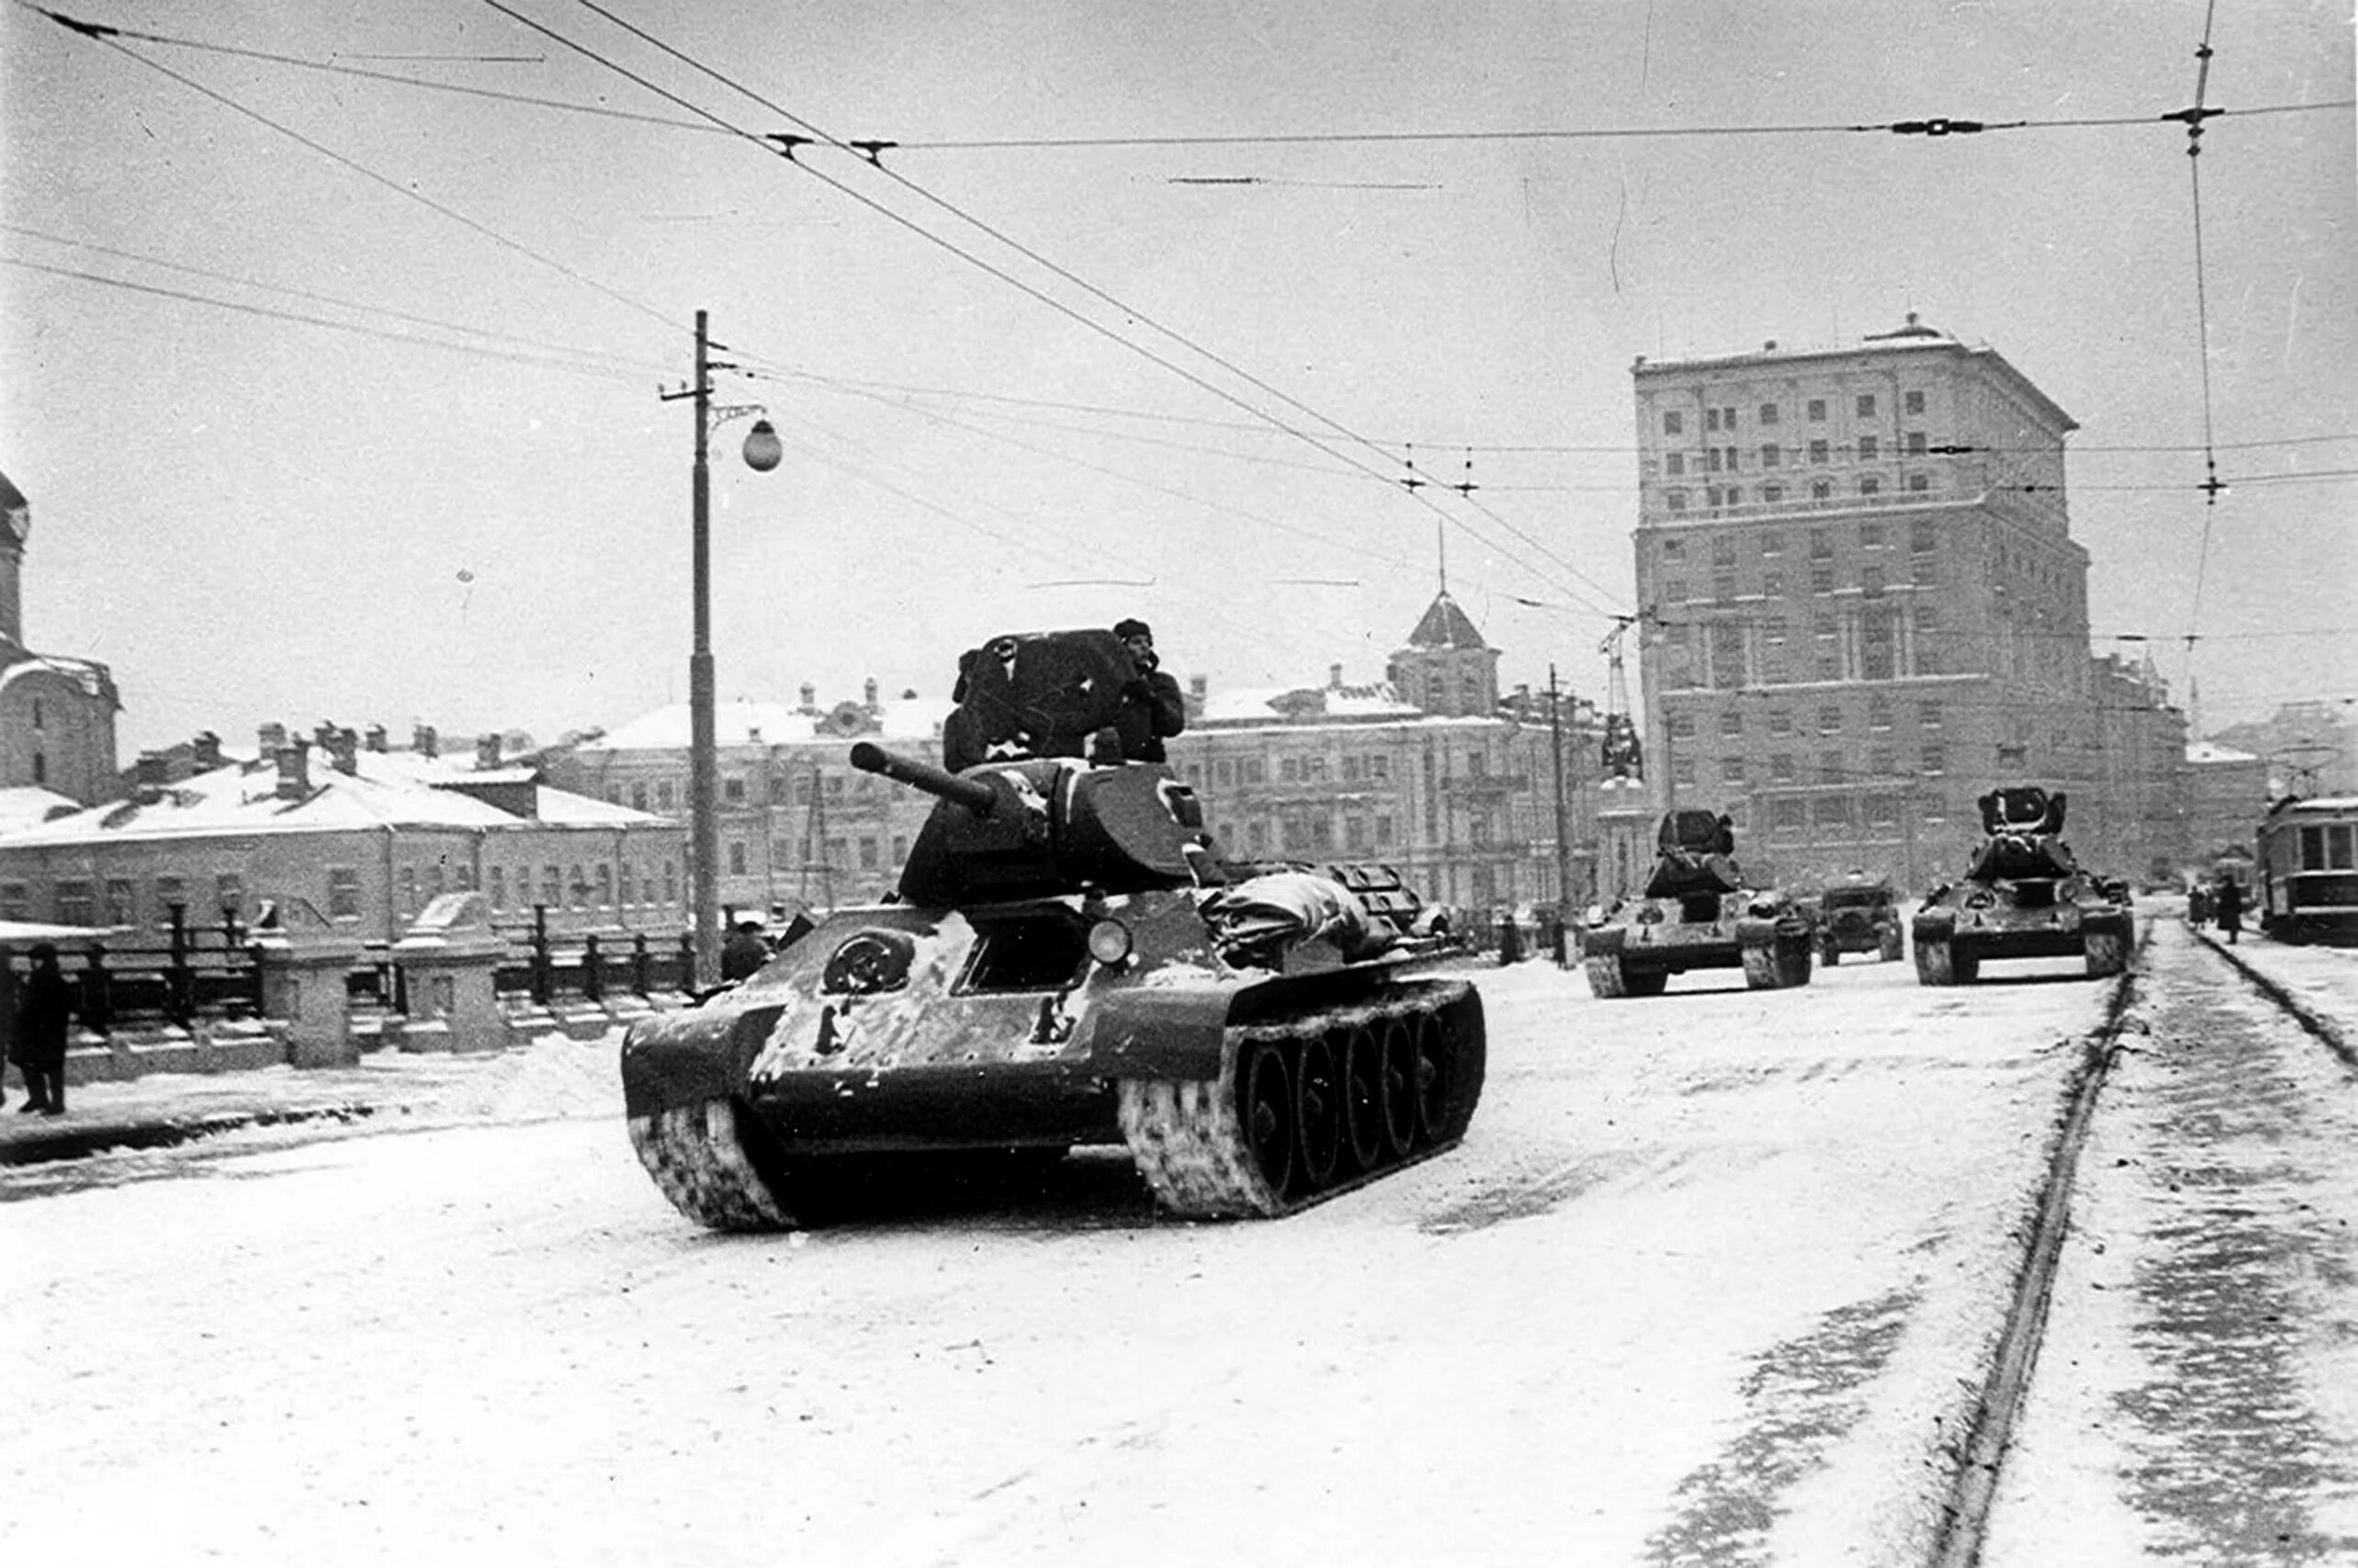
[1152,706]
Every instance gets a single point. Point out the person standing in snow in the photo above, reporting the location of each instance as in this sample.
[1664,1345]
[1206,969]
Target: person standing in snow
[1152,706]
[2229,908]
[44,1005]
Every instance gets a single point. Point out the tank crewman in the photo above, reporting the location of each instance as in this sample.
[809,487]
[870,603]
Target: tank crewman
[744,953]
[1152,706]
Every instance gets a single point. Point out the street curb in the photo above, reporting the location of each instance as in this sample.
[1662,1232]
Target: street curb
[50,1144]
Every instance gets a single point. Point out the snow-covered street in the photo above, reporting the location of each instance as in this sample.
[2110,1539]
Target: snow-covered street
[1715,1277]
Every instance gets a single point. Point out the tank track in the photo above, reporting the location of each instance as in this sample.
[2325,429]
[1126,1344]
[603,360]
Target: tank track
[696,1156]
[1312,1106]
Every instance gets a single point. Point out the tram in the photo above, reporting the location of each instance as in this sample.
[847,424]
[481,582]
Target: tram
[2308,870]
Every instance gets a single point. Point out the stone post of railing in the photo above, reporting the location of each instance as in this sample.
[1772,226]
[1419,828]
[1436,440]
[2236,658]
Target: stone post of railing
[452,958]
[304,960]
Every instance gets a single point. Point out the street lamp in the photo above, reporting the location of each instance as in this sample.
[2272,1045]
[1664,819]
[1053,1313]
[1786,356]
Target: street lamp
[762,452]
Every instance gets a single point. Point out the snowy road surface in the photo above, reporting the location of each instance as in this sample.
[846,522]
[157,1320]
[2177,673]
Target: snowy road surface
[1714,1278]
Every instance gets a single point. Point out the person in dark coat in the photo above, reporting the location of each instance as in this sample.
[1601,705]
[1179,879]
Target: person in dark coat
[7,1016]
[44,1006]
[2229,908]
[1152,707]
[744,953]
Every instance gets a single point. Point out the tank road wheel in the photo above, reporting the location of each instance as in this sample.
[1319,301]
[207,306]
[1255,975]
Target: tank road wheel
[698,1155]
[1762,972]
[1399,1079]
[1604,976]
[2107,953]
[1267,1107]
[1363,1097]
[1434,1096]
[1793,960]
[1318,1100]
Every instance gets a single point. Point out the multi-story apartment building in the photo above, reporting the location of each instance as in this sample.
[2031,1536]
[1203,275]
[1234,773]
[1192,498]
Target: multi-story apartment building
[1864,606]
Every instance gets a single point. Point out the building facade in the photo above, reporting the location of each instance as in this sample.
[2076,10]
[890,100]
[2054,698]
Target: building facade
[1864,608]
[366,836]
[1456,786]
[57,715]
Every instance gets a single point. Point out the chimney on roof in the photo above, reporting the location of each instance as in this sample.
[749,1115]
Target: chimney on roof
[1334,677]
[868,695]
[270,736]
[1198,686]
[323,734]
[486,753]
[149,775]
[342,748]
[205,752]
[294,771]
[1768,347]
[376,738]
[423,742]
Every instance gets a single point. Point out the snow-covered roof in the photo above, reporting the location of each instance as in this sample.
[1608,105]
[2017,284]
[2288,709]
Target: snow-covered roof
[745,723]
[28,806]
[93,678]
[1280,704]
[2209,752]
[387,789]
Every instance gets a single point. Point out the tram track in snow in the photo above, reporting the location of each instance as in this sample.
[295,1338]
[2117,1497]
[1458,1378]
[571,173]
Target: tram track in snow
[1980,1456]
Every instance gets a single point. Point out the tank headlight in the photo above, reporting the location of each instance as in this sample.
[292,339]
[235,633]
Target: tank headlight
[1109,941]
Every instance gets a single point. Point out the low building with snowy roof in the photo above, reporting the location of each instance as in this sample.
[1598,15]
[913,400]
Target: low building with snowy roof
[366,838]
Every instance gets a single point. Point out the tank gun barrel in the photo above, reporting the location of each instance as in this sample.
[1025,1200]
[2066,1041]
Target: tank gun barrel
[972,794]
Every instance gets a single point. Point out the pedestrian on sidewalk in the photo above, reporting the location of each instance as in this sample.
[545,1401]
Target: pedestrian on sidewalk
[7,1016]
[2230,909]
[44,1006]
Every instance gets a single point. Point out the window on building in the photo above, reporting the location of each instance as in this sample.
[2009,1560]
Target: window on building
[1870,578]
[1383,832]
[1830,720]
[1771,456]
[732,790]
[1870,485]
[1780,721]
[169,890]
[1674,463]
[1817,410]
[552,886]
[1772,583]
[73,902]
[1915,443]
[1711,459]
[1869,448]
[1912,402]
[868,854]
[1819,490]
[1379,766]
[1732,463]
[409,888]
[1681,772]
[1822,545]
[343,891]
[1675,500]
[1723,586]
[1780,767]
[1674,550]
[1878,712]
[1772,544]
[1822,580]
[1830,813]
[1772,495]
[606,885]
[1732,773]
[1919,482]
[16,902]
[1673,422]
[1933,760]
[670,882]
[1928,716]
[1710,419]
[1882,811]
[1866,405]
[497,893]
[1732,723]
[1882,762]
[1289,769]
[229,893]
[1680,725]
[737,857]
[1870,535]
[663,795]
[900,849]
[1922,537]
[1769,414]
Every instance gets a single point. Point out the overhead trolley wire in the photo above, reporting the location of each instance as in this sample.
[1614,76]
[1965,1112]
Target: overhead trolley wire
[785,146]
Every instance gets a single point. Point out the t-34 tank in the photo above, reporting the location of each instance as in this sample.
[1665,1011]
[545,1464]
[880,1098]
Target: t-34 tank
[2023,895]
[1066,962]
[1696,913]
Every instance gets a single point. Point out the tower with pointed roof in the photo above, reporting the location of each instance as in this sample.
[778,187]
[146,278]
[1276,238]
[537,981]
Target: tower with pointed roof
[1447,668]
[57,715]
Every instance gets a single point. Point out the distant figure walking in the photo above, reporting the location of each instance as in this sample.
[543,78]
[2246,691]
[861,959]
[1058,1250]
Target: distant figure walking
[2229,908]
[44,1006]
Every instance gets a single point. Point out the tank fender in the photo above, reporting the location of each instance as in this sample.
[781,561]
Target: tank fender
[1146,1032]
[1760,930]
[1935,923]
[1603,942]
[691,1056]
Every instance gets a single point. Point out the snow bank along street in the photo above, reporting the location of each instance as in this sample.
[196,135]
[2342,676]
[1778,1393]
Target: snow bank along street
[1715,1277]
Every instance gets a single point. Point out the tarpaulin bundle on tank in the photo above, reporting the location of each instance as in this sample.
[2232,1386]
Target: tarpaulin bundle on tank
[1259,919]
[1035,695]
[1695,852]
[2022,822]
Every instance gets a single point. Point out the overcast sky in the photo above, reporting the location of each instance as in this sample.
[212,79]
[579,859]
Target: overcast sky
[336,397]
